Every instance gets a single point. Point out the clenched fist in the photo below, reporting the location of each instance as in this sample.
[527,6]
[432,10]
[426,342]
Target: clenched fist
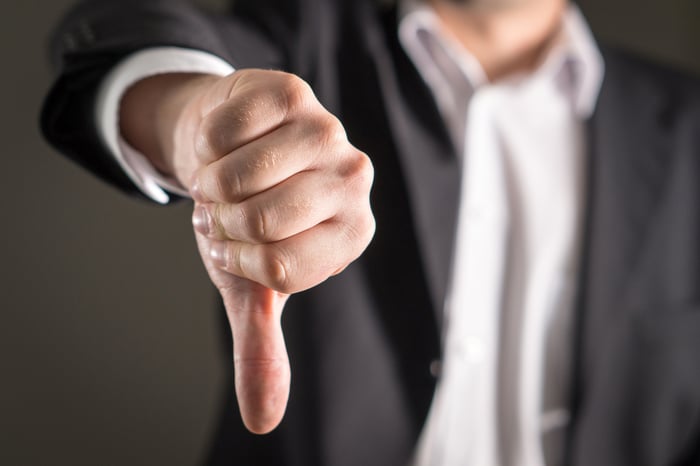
[281,202]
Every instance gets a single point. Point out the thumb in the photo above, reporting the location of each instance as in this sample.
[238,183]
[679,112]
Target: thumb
[259,355]
[261,364]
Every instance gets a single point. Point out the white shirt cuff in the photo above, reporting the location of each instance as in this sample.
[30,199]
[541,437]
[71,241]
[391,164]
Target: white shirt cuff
[135,67]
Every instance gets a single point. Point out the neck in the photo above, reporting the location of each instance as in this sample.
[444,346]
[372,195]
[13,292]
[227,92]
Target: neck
[505,36]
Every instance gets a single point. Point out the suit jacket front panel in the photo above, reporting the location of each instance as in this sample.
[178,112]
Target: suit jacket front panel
[638,381]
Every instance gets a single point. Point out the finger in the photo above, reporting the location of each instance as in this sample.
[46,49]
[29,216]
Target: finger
[300,203]
[269,160]
[299,262]
[258,102]
[260,358]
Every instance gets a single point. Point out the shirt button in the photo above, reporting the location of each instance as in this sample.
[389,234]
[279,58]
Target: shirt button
[435,368]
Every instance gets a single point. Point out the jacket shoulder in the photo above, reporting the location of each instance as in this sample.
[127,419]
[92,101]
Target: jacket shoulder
[630,71]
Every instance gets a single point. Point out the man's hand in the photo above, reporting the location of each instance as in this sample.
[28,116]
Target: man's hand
[281,203]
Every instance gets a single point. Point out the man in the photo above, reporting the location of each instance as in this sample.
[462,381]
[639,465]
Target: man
[562,274]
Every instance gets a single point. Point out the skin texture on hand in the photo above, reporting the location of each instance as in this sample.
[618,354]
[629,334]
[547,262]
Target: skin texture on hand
[281,203]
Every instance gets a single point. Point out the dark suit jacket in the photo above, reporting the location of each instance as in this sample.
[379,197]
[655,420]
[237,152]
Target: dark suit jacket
[362,343]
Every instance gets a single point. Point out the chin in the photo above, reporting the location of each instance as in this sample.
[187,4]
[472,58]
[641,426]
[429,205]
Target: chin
[486,4]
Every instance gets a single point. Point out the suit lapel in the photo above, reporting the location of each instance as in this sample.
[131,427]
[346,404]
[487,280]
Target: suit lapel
[629,156]
[628,165]
[428,163]
[388,113]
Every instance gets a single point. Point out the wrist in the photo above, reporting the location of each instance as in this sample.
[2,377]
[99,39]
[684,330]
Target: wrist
[151,115]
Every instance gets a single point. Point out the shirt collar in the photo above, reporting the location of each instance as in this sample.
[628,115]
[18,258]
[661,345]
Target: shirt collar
[573,59]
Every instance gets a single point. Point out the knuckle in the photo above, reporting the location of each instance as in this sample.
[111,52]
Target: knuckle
[357,230]
[357,236]
[218,220]
[256,221]
[330,132]
[219,185]
[217,129]
[226,185]
[362,228]
[361,172]
[370,227]
[293,95]
[243,76]
[235,264]
[365,169]
[277,270]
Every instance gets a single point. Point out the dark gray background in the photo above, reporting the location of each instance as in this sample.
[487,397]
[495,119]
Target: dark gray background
[108,341]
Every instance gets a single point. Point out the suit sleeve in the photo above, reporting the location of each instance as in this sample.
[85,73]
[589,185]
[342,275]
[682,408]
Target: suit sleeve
[97,34]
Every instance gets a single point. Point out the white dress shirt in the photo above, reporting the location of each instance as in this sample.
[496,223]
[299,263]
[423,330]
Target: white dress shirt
[502,395]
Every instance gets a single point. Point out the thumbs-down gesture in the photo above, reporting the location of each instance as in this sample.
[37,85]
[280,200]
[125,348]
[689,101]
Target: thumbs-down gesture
[281,204]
